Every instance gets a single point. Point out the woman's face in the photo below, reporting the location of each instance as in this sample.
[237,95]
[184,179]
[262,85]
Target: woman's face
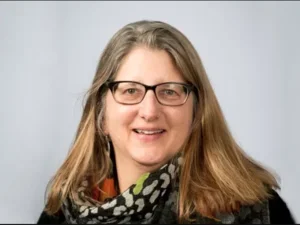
[123,122]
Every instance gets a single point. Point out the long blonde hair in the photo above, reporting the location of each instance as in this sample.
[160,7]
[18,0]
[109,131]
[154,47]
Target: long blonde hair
[216,174]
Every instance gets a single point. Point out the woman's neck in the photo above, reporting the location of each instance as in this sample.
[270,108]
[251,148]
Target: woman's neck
[128,172]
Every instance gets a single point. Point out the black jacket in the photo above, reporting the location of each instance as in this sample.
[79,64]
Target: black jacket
[279,213]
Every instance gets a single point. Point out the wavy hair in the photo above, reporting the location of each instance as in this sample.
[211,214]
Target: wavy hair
[216,174]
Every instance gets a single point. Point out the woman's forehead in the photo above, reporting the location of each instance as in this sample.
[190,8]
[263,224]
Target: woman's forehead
[148,66]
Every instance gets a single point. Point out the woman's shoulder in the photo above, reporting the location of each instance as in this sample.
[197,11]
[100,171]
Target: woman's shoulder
[274,211]
[279,210]
[45,218]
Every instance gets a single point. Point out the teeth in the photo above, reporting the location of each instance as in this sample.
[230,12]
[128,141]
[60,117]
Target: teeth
[149,131]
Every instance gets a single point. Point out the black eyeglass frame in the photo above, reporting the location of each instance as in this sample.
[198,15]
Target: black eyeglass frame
[111,85]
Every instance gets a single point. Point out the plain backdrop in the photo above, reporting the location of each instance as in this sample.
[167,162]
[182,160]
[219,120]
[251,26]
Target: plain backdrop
[49,53]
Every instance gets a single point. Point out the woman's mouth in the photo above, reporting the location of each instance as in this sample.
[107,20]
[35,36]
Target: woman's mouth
[149,134]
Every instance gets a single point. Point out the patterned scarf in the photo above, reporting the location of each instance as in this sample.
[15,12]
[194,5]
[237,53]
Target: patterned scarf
[153,199]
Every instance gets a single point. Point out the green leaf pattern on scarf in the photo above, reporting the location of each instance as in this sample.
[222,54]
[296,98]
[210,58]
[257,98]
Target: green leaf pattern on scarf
[139,184]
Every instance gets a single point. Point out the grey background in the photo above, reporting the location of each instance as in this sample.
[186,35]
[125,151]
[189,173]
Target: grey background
[48,56]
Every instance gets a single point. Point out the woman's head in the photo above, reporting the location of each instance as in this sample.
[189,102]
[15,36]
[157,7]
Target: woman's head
[149,52]
[216,174]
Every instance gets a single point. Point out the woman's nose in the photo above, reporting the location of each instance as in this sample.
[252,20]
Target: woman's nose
[149,107]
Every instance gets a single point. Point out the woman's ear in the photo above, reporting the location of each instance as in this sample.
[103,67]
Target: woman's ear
[105,131]
[104,127]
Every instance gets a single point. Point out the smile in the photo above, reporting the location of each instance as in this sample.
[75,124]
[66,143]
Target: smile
[149,132]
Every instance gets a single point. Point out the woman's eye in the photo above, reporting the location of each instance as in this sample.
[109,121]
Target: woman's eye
[169,92]
[130,91]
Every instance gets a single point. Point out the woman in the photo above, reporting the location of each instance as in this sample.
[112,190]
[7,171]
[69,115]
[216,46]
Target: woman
[153,146]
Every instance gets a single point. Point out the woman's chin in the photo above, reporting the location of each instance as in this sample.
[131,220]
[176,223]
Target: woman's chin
[153,162]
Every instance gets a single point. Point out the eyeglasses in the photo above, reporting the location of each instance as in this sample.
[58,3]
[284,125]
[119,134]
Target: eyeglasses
[131,92]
